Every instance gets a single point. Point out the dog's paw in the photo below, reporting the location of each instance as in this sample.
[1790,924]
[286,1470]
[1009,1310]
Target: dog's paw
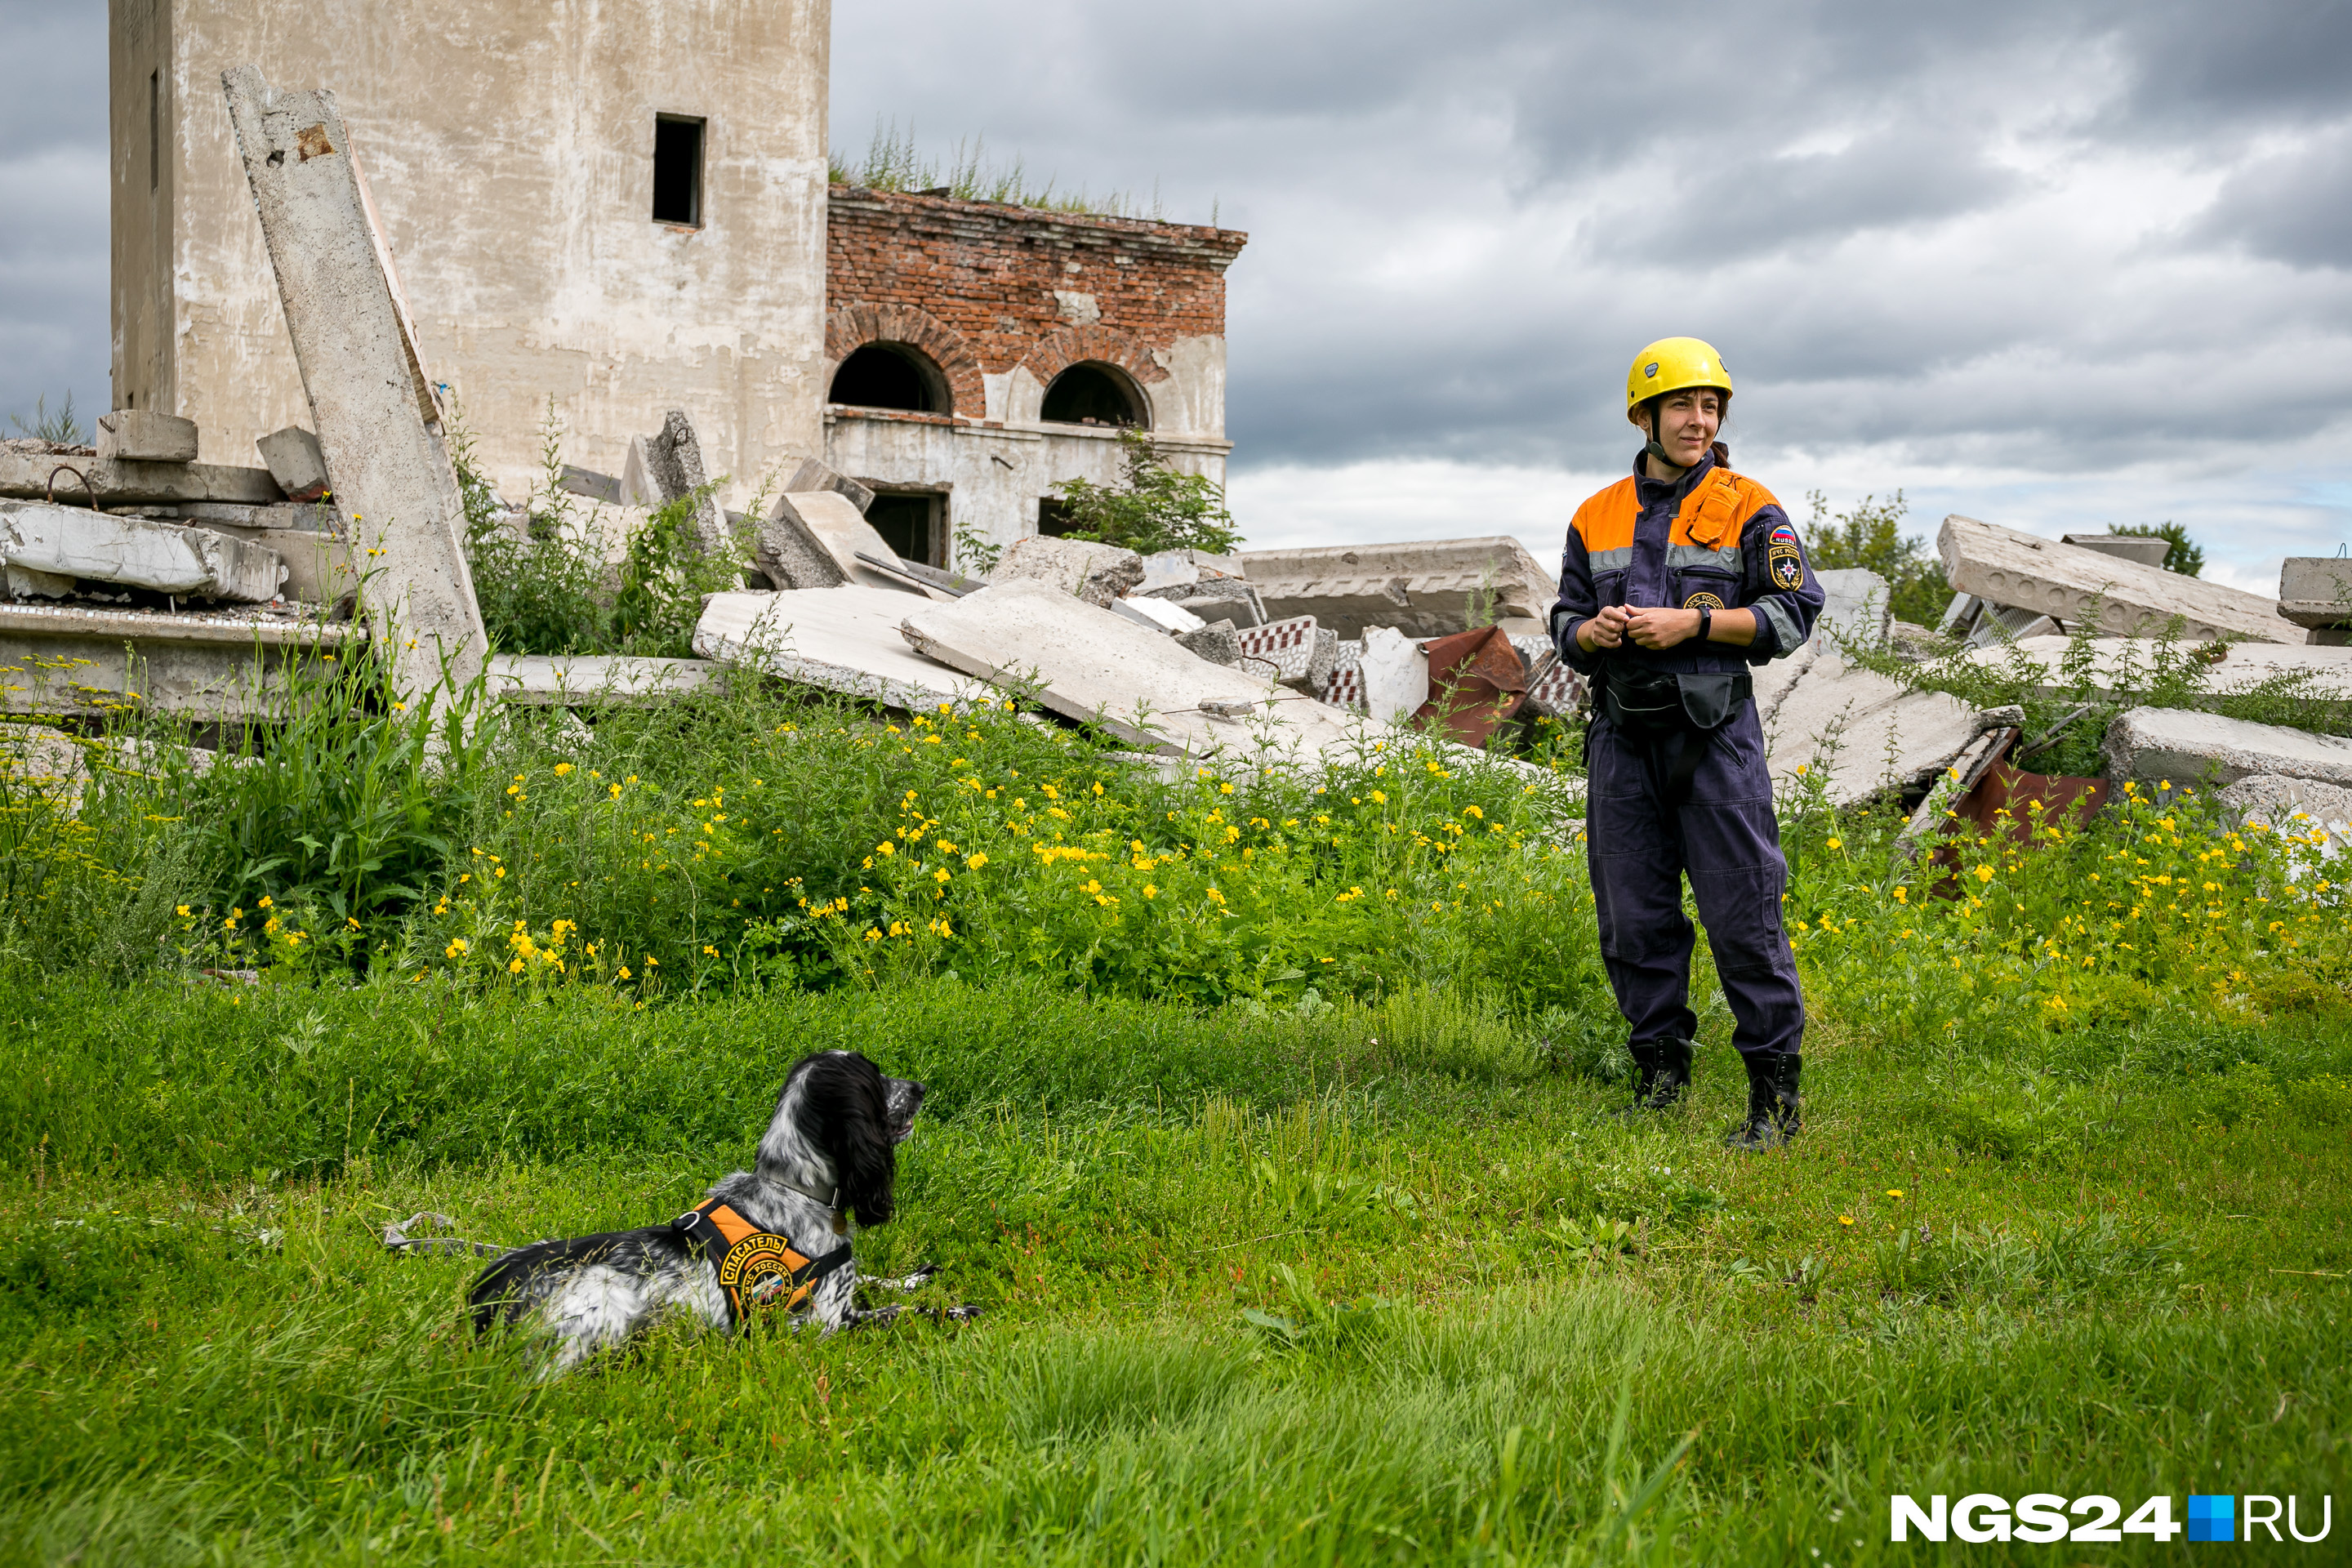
[964,1314]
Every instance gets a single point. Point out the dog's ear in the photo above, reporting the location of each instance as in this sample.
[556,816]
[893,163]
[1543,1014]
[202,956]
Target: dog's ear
[851,1111]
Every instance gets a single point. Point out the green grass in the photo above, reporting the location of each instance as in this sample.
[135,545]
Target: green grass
[1268,1123]
[1258,1291]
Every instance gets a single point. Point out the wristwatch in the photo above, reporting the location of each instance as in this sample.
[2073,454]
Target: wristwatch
[1706,623]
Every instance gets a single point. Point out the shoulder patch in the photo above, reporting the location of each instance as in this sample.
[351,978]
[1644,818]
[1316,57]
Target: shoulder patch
[1784,535]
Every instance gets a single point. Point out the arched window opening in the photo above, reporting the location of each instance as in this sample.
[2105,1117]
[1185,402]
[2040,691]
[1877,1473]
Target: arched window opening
[1092,395]
[884,376]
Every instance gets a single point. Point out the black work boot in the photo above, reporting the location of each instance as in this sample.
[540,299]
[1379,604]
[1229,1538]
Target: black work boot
[1771,1103]
[1664,1073]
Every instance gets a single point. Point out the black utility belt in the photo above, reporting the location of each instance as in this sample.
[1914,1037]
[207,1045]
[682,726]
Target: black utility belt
[1657,702]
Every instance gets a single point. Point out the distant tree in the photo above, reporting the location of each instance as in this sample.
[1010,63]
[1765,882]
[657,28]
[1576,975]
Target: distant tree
[1155,508]
[2185,555]
[1871,536]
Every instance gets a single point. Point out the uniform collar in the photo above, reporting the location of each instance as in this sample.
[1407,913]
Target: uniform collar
[1649,493]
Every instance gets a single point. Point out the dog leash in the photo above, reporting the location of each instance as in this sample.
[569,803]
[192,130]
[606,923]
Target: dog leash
[397,1239]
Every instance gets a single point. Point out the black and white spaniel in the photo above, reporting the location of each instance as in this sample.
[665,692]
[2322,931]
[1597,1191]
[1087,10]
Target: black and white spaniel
[773,1239]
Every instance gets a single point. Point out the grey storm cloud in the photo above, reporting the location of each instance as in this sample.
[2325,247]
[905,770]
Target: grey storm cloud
[2037,238]
[53,244]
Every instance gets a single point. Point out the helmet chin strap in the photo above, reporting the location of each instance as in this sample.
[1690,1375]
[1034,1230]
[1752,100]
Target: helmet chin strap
[1651,448]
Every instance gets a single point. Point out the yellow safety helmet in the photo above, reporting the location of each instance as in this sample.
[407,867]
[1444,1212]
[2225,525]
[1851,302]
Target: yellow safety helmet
[1670,364]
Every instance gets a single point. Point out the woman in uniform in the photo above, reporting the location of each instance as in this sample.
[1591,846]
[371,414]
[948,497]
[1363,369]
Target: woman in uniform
[1675,581]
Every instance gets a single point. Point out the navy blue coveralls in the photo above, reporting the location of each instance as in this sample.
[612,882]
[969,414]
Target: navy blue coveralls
[1719,539]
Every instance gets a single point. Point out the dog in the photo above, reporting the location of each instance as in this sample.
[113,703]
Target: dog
[772,1241]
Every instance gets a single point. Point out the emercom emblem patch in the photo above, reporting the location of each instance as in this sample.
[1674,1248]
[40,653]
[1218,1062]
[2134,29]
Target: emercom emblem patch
[1700,600]
[1783,564]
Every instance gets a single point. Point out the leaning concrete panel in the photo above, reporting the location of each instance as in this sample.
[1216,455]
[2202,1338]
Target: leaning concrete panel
[2191,748]
[2006,566]
[1090,665]
[370,408]
[813,539]
[841,639]
[1864,731]
[1422,588]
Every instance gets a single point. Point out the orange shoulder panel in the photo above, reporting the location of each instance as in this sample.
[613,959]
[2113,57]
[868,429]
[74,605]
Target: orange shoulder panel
[1714,514]
[1605,521]
[733,1226]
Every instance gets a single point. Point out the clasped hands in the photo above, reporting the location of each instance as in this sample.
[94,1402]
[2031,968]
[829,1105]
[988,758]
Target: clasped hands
[1650,627]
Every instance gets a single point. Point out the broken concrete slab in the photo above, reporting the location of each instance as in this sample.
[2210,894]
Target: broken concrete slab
[1422,587]
[372,405]
[2123,546]
[1773,681]
[812,475]
[2316,590]
[1183,568]
[1296,652]
[2008,567]
[296,462]
[1219,642]
[1862,732]
[87,479]
[844,640]
[145,435]
[590,680]
[590,485]
[670,468]
[1213,598]
[220,666]
[813,539]
[48,762]
[2190,748]
[1554,690]
[1092,665]
[24,583]
[1161,614]
[1395,673]
[1853,606]
[1097,574]
[2129,661]
[137,552]
[2286,805]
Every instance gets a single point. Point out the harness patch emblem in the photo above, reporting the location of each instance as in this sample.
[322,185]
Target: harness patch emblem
[1697,600]
[758,1272]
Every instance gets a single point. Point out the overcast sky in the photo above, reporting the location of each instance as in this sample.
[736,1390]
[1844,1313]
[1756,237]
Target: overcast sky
[2055,265]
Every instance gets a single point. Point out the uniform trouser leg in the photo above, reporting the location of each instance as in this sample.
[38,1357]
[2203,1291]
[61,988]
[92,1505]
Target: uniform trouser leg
[1634,850]
[1725,836]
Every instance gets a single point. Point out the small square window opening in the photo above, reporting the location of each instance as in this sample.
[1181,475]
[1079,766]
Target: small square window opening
[677,170]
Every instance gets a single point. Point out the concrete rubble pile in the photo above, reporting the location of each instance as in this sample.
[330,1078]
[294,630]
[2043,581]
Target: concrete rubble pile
[1175,653]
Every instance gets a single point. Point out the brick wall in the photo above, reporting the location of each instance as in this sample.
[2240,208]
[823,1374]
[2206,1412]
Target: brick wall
[983,288]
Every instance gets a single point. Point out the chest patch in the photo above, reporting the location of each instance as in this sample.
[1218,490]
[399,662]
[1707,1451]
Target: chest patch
[1702,600]
[758,1271]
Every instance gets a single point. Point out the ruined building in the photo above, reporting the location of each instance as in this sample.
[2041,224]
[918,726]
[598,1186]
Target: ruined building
[624,209]
[982,353]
